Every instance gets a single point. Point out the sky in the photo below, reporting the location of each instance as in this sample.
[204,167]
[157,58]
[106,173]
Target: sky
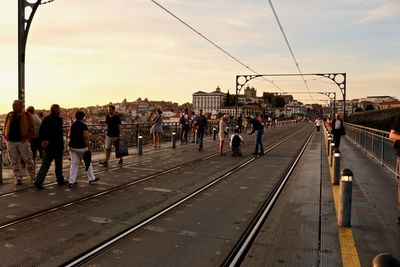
[82,53]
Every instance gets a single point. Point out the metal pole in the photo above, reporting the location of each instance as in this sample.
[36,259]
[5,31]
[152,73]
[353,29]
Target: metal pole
[345,196]
[21,50]
[331,154]
[336,167]
[214,133]
[140,145]
[173,140]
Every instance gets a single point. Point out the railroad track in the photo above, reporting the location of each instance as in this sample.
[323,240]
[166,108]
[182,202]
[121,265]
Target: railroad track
[127,232]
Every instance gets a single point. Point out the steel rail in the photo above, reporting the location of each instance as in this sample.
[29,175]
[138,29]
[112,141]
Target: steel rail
[243,245]
[113,189]
[104,246]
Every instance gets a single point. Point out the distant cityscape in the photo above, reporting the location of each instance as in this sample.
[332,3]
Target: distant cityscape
[217,103]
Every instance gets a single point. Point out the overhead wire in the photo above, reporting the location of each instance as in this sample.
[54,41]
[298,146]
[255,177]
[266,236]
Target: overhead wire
[213,43]
[287,43]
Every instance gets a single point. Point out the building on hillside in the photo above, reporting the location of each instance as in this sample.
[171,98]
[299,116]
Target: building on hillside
[294,108]
[340,109]
[378,99]
[389,104]
[209,102]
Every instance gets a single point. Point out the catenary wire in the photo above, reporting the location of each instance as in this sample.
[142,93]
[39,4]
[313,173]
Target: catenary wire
[287,43]
[213,43]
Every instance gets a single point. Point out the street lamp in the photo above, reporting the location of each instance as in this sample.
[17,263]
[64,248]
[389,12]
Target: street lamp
[23,29]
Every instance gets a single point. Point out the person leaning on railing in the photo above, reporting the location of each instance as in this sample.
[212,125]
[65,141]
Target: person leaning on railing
[395,135]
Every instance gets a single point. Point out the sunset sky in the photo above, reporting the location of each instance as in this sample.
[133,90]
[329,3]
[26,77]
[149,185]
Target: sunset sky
[82,52]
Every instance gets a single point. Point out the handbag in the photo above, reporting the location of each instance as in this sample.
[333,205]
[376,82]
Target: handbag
[122,149]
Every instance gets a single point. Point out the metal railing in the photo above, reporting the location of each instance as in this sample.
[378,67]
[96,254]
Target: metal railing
[374,142]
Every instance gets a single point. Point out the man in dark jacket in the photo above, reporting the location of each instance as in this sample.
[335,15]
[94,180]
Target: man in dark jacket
[52,140]
[259,128]
[337,130]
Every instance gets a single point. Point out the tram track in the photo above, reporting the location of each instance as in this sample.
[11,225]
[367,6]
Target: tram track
[240,248]
[83,200]
[122,186]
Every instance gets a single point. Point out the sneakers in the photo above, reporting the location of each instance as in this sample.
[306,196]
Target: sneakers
[104,163]
[73,184]
[254,153]
[120,161]
[398,220]
[95,180]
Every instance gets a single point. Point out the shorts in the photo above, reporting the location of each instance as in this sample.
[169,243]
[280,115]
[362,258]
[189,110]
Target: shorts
[109,141]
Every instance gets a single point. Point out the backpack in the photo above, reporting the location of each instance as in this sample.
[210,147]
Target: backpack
[236,141]
[182,119]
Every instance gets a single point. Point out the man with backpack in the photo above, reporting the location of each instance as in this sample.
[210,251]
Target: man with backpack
[236,141]
[201,124]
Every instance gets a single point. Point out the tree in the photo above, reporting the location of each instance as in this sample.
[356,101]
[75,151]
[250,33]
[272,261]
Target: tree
[369,107]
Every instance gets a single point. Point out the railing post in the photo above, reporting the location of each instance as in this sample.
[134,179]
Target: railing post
[345,196]
[214,133]
[328,145]
[173,140]
[196,138]
[140,145]
[336,167]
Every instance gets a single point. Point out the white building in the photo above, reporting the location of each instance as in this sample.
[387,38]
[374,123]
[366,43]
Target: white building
[209,102]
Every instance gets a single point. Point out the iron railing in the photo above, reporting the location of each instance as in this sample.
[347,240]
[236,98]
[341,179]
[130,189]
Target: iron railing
[374,142]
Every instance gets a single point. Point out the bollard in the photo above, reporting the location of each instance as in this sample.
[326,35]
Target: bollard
[140,145]
[331,149]
[329,144]
[173,140]
[196,138]
[385,260]
[214,133]
[346,184]
[336,166]
[1,164]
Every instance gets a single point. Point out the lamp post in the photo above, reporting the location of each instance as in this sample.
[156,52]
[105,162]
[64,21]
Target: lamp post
[24,25]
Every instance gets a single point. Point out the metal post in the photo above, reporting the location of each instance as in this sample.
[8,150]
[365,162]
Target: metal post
[329,143]
[345,195]
[196,138]
[331,153]
[1,161]
[385,260]
[214,133]
[23,30]
[173,140]
[140,145]
[336,167]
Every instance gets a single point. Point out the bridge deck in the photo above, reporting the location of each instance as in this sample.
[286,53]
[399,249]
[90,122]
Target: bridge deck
[293,229]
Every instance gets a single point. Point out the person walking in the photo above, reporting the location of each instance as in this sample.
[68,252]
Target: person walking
[158,121]
[18,131]
[318,124]
[79,147]
[201,124]
[51,136]
[113,134]
[259,128]
[222,132]
[337,130]
[35,141]
[395,135]
[184,121]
